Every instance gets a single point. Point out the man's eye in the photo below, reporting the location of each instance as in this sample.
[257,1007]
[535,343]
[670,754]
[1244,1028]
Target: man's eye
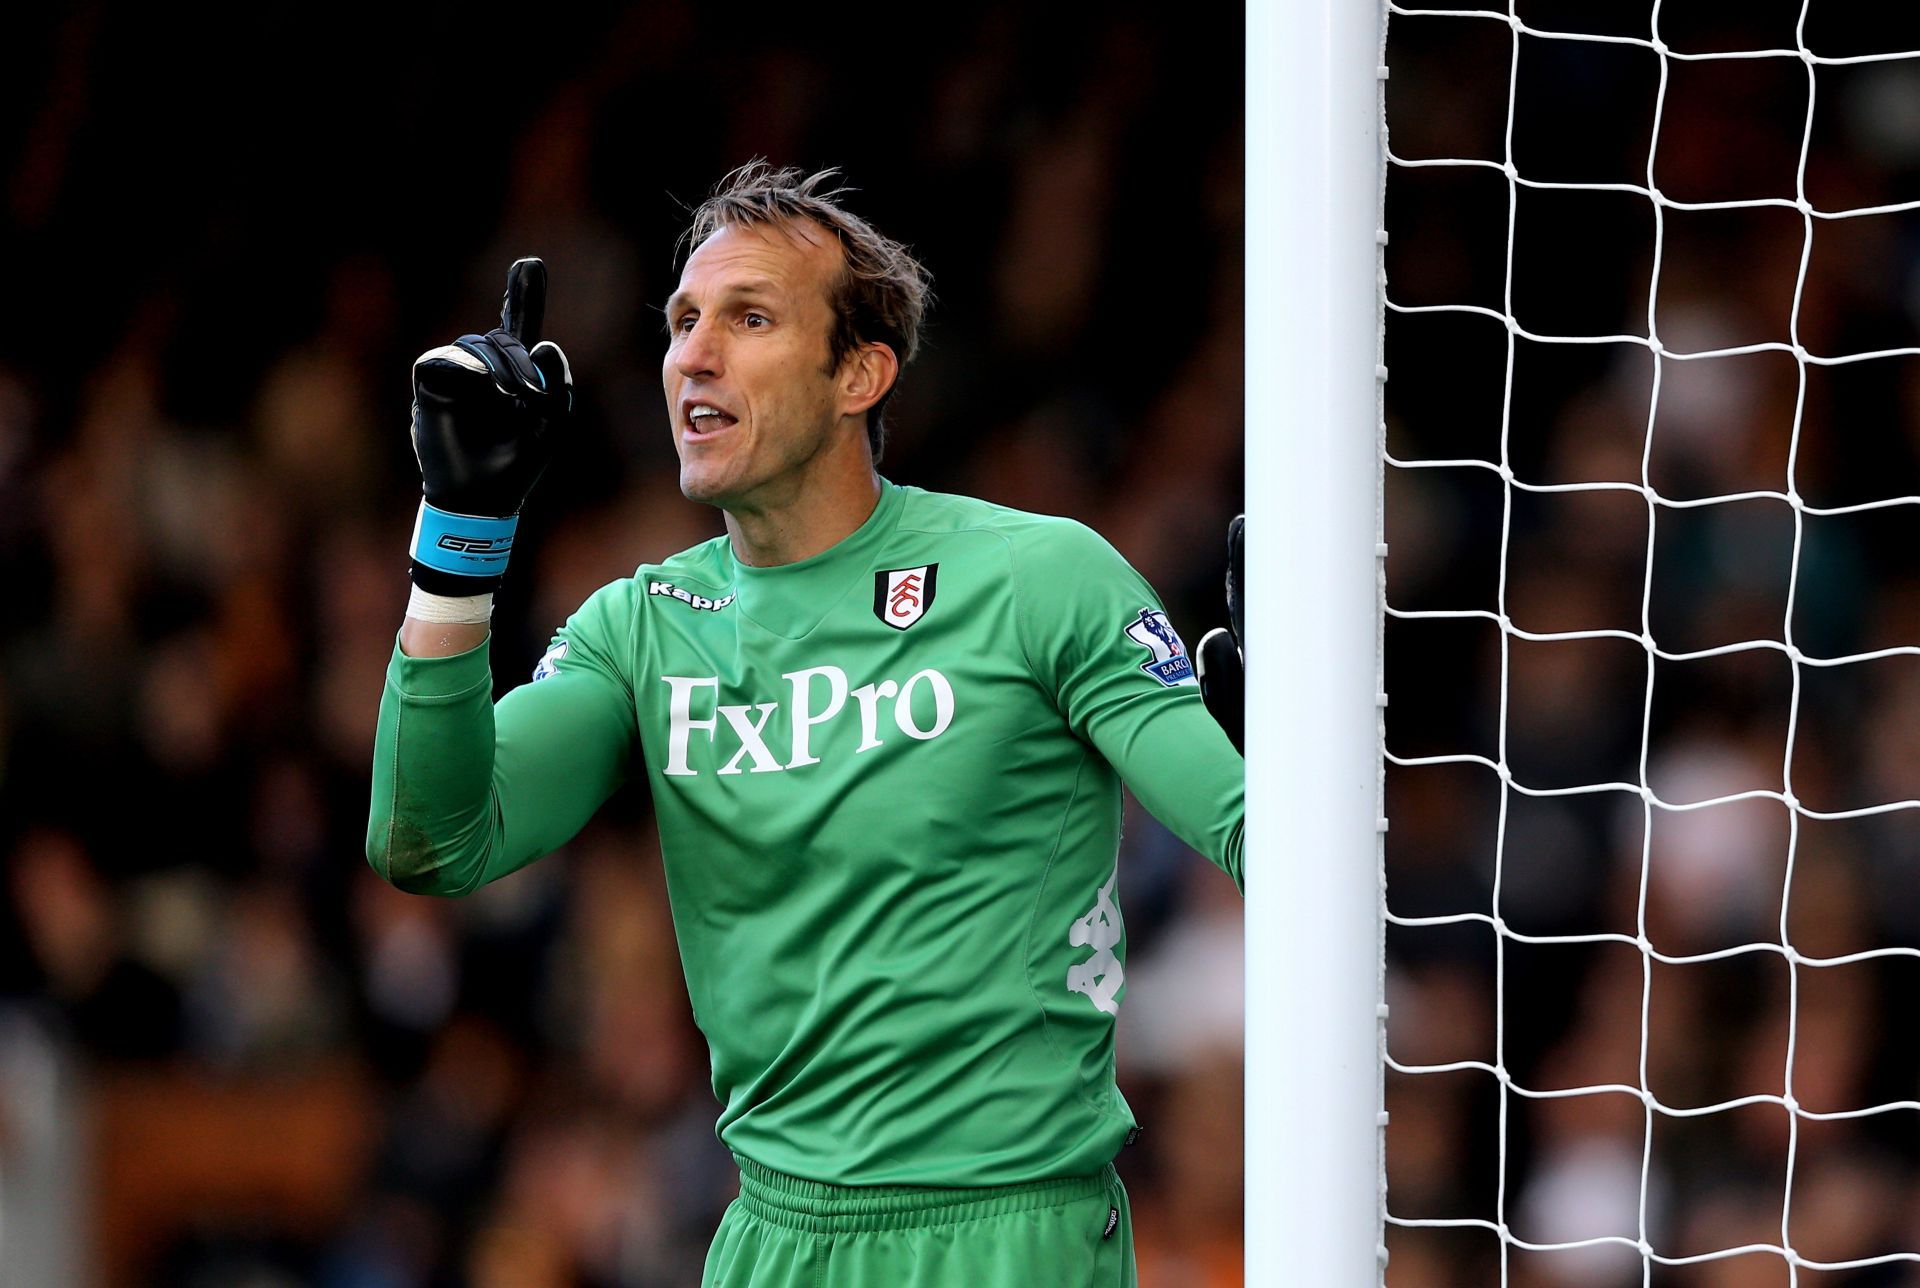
[684,323]
[755,320]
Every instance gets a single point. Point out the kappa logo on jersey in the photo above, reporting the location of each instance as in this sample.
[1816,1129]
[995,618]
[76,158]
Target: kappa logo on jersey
[549,663]
[902,596]
[921,707]
[672,591]
[1101,976]
[1169,664]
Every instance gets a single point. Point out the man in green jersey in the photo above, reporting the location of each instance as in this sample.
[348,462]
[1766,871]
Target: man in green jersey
[885,732]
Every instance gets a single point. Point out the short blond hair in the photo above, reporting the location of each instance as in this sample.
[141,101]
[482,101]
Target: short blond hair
[883,291]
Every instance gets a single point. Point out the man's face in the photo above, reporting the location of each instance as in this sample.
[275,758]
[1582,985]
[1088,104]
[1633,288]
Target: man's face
[750,386]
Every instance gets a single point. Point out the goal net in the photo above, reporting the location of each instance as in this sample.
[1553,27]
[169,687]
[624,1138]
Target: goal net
[1652,644]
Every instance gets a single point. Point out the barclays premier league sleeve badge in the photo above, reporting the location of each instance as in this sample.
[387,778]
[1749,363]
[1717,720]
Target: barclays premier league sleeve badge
[549,664]
[1169,664]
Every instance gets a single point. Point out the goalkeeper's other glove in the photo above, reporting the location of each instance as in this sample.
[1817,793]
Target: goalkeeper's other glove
[485,410]
[1222,657]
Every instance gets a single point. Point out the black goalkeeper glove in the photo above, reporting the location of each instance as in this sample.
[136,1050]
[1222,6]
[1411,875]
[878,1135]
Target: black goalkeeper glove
[1221,660]
[485,411]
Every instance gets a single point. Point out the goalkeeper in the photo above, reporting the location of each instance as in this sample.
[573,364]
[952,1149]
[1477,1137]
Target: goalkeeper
[885,732]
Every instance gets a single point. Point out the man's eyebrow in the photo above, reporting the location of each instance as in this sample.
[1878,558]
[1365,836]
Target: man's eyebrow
[756,286]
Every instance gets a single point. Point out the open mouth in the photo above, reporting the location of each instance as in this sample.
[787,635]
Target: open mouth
[703,420]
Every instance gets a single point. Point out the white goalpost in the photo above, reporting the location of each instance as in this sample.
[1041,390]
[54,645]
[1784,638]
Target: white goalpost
[1321,322]
[1313,1170]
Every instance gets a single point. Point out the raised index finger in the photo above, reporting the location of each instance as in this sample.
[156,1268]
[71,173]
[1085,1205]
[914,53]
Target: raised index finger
[525,309]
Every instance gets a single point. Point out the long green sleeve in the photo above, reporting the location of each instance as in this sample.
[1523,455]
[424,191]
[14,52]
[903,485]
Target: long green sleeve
[465,791]
[1096,635]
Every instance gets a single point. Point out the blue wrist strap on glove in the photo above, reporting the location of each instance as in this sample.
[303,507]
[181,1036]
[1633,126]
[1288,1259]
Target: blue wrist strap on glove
[463,545]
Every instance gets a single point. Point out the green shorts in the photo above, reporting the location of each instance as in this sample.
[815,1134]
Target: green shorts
[783,1232]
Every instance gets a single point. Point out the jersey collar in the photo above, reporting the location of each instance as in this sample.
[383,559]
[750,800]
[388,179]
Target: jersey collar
[791,599]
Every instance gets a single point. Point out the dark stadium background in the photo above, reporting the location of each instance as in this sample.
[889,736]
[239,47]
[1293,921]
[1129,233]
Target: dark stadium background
[228,1055]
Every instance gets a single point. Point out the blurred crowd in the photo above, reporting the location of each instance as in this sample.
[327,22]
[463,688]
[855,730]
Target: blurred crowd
[230,1056]
[1559,1012]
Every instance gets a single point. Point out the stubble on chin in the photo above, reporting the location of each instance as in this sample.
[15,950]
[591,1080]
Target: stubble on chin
[707,486]
[696,488]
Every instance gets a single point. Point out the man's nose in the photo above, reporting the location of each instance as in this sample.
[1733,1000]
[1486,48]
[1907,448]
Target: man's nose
[698,353]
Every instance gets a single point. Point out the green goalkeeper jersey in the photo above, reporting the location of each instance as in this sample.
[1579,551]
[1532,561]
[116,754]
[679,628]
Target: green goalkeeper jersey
[887,780]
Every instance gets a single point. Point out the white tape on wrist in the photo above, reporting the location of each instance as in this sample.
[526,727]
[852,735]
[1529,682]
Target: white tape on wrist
[474,610]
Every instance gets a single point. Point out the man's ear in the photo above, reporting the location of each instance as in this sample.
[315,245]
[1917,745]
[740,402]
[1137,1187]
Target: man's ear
[866,375]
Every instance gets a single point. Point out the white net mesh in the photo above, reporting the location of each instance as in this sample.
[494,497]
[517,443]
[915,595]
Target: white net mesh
[1696,931]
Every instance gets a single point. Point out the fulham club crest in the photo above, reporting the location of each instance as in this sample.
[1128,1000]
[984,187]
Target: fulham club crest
[902,596]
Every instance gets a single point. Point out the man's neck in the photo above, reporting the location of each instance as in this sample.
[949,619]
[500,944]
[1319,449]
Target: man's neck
[816,518]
